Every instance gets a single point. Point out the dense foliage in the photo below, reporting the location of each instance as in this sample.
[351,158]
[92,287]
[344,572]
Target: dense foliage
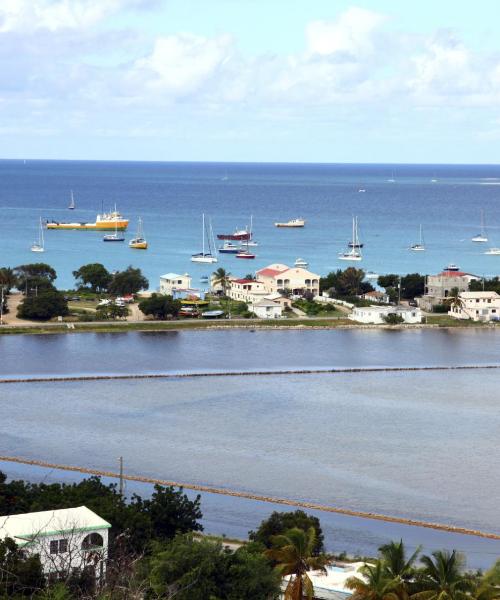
[161,517]
[93,276]
[128,282]
[160,306]
[411,285]
[33,278]
[45,305]
[280,522]
[347,283]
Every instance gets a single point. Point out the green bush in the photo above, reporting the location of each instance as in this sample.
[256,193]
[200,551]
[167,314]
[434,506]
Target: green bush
[46,305]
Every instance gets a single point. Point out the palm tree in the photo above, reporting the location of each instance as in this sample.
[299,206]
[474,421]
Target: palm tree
[443,579]
[293,553]
[375,585]
[221,277]
[454,300]
[397,566]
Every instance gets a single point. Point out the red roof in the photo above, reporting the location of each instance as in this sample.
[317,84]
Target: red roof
[270,272]
[243,281]
[452,274]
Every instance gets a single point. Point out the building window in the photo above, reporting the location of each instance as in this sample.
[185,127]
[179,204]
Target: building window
[58,546]
[93,540]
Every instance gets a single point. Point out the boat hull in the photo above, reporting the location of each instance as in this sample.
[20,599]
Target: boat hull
[204,259]
[97,226]
[289,226]
[234,236]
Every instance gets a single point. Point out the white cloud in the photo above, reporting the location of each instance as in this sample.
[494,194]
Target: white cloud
[183,63]
[352,35]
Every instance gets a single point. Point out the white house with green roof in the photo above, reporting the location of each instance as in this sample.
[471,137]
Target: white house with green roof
[66,539]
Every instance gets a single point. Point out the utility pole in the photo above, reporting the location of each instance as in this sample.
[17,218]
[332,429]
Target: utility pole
[1,305]
[121,476]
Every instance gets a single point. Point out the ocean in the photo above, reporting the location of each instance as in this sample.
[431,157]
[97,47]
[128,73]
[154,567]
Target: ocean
[171,197]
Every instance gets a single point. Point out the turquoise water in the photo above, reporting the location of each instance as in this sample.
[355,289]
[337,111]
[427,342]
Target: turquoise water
[171,197]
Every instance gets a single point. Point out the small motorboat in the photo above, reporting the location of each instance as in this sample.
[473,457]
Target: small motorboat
[213,314]
[229,248]
[493,251]
[244,253]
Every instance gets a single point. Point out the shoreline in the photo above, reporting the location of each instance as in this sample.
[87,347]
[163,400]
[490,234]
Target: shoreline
[224,324]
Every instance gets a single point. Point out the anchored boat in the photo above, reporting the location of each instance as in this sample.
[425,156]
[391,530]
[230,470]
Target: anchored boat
[292,223]
[139,242]
[105,221]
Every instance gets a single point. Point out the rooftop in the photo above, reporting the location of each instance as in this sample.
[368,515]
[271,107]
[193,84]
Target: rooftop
[243,281]
[172,276]
[23,528]
[474,295]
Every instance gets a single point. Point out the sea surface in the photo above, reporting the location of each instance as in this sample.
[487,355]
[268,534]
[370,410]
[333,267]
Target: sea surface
[171,197]
[418,444]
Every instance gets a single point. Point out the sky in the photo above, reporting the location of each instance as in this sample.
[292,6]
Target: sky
[251,80]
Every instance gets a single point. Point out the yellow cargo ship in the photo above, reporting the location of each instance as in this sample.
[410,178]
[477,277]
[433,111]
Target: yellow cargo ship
[112,221]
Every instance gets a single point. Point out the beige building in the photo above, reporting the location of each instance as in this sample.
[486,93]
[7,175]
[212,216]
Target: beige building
[439,287]
[266,309]
[171,282]
[297,280]
[246,290]
[477,306]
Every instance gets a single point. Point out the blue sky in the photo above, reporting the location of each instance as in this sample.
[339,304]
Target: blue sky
[250,80]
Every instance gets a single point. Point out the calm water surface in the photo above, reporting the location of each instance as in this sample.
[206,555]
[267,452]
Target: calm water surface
[416,444]
[189,351]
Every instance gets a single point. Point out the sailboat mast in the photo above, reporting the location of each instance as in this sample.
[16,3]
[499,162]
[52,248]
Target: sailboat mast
[203,234]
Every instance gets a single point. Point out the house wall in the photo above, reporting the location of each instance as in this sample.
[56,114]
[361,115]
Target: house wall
[63,552]
[168,285]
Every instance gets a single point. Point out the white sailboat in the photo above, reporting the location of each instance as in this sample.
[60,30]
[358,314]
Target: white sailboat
[39,245]
[205,257]
[420,247]
[353,251]
[72,202]
[251,242]
[481,237]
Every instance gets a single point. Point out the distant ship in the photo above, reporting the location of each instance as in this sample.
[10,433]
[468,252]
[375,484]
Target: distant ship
[240,235]
[291,223]
[106,221]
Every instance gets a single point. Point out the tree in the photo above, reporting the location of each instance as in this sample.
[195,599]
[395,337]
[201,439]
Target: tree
[376,584]
[293,555]
[443,579]
[44,306]
[111,311]
[349,282]
[280,522]
[488,285]
[222,277]
[8,279]
[388,281]
[392,319]
[94,275]
[18,575]
[454,301]
[190,569]
[412,285]
[128,282]
[35,275]
[398,567]
[160,307]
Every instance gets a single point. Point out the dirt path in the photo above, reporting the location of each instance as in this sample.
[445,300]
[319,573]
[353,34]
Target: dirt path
[13,301]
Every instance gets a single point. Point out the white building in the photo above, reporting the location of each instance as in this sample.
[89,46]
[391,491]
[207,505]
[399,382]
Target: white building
[267,309]
[376,314]
[171,282]
[65,539]
[332,584]
[477,306]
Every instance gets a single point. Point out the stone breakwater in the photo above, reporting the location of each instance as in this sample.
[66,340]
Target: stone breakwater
[256,373]
[257,497]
